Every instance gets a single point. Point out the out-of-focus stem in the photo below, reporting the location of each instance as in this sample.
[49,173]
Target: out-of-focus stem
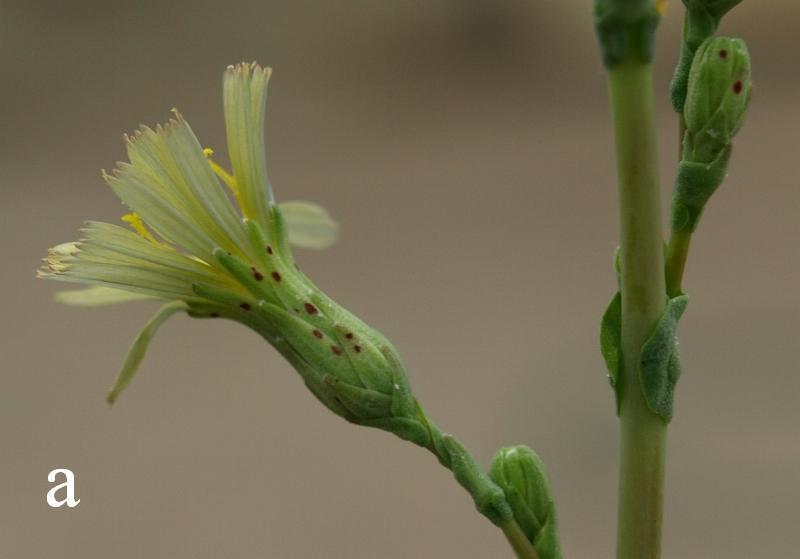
[643,434]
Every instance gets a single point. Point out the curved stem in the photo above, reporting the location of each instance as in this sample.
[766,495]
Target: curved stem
[642,433]
[678,247]
[519,543]
[456,458]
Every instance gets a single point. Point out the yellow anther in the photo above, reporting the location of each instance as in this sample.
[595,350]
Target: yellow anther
[135,221]
[661,6]
[226,177]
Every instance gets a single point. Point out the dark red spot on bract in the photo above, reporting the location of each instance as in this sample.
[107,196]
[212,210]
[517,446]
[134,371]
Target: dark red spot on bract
[276,276]
[256,274]
[737,87]
[317,334]
[336,349]
[349,335]
[357,348]
[723,54]
[311,309]
[269,249]
[246,306]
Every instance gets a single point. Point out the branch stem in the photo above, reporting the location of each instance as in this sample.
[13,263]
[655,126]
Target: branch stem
[677,252]
[643,435]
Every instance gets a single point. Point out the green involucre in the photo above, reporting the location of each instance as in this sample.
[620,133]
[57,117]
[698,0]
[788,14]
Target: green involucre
[351,368]
[522,476]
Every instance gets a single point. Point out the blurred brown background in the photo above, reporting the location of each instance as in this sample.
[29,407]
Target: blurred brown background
[464,147]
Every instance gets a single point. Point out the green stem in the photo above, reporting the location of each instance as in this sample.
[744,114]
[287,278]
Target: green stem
[519,543]
[456,458]
[643,435]
[678,247]
[677,252]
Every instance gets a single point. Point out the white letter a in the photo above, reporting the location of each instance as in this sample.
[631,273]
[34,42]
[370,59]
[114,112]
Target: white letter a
[69,484]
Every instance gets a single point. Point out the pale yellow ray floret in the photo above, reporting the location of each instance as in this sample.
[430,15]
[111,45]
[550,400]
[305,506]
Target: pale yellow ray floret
[98,295]
[244,93]
[186,232]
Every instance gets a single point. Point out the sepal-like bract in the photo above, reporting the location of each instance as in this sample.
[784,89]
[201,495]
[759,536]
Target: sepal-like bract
[659,361]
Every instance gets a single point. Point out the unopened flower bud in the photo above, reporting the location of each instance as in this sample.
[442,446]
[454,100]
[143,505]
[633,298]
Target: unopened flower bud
[701,22]
[521,475]
[718,95]
[719,92]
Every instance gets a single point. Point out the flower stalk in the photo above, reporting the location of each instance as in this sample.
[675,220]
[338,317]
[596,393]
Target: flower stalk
[214,244]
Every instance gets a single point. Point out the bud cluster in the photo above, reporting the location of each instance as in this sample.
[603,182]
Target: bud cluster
[717,97]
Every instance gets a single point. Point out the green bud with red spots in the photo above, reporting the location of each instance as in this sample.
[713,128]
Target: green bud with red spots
[720,83]
[701,21]
[718,95]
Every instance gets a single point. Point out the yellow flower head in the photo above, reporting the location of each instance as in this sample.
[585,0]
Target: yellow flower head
[214,243]
[180,213]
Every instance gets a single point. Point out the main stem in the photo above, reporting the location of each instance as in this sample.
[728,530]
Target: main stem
[643,435]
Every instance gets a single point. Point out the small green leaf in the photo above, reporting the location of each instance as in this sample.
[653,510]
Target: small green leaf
[611,344]
[139,347]
[659,361]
